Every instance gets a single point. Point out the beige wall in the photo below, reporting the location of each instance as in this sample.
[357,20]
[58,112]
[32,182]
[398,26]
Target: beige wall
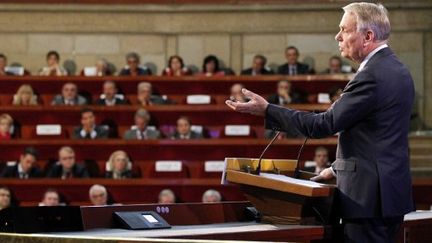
[234,33]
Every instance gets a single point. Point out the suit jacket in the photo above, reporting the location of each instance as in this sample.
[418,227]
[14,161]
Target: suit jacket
[12,172]
[59,100]
[372,118]
[301,69]
[126,174]
[117,102]
[78,171]
[101,132]
[264,71]
[141,72]
[150,134]
[193,135]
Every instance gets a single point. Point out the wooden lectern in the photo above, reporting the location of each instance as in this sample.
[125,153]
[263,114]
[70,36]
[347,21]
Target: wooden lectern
[280,198]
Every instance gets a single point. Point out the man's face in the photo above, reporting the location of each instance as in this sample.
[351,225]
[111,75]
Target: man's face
[69,91]
[291,56]
[3,63]
[67,159]
[141,122]
[321,158]
[183,127]
[283,88]
[175,64]
[88,119]
[132,63]
[5,198]
[144,94]
[351,42]
[166,199]
[109,90]
[335,65]
[257,64]
[98,198]
[27,161]
[51,199]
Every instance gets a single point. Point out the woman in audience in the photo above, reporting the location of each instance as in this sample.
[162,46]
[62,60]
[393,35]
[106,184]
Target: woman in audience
[176,67]
[166,196]
[25,96]
[211,67]
[133,67]
[6,123]
[119,166]
[53,68]
[6,198]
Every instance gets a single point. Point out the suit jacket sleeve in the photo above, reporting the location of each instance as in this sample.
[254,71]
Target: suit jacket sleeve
[356,102]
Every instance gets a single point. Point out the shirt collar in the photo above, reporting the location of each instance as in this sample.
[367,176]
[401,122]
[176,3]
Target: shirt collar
[369,56]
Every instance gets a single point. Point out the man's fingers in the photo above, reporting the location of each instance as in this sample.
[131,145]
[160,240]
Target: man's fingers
[249,94]
[230,104]
[237,106]
[317,178]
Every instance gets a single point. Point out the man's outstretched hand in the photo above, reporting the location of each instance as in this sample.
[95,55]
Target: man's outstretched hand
[256,105]
[326,174]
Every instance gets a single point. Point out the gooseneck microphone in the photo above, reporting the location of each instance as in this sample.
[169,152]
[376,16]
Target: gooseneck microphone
[258,169]
[297,170]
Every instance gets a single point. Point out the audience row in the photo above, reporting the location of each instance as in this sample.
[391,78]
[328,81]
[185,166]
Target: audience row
[176,67]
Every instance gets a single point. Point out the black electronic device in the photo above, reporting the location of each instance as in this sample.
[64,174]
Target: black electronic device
[140,220]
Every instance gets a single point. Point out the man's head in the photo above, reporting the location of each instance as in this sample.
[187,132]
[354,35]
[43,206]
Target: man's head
[101,66]
[3,61]
[283,88]
[52,58]
[183,125]
[69,91]
[67,158]
[321,157]
[88,119]
[110,89]
[142,118]
[5,197]
[51,198]
[98,195]
[335,64]
[133,60]
[211,196]
[166,196]
[28,159]
[364,27]
[144,91]
[291,55]
[258,63]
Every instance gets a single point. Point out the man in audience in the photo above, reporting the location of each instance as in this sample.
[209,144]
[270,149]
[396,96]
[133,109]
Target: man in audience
[69,96]
[145,95]
[110,96]
[321,160]
[51,198]
[183,129]
[5,197]
[166,196]
[88,128]
[53,68]
[141,130]
[133,66]
[98,195]
[3,64]
[258,67]
[66,168]
[25,168]
[211,196]
[236,93]
[293,67]
[335,66]
[284,94]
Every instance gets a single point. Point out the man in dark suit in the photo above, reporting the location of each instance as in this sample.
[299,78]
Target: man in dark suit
[372,117]
[25,169]
[284,94]
[88,128]
[110,96]
[184,131]
[66,167]
[293,67]
[69,96]
[258,67]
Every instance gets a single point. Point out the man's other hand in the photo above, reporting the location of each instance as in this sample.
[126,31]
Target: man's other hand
[326,174]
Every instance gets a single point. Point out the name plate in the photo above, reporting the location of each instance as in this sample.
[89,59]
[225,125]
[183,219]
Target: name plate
[168,166]
[237,130]
[19,71]
[324,98]
[197,129]
[48,129]
[90,71]
[310,163]
[198,99]
[214,166]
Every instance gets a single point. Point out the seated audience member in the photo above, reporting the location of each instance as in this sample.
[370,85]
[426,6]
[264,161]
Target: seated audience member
[133,67]
[211,196]
[69,96]
[6,126]
[110,96]
[183,130]
[5,198]
[25,96]
[25,168]
[335,66]
[145,95]
[98,195]
[176,67]
[258,67]
[51,198]
[321,160]
[293,67]
[335,94]
[211,67]
[284,94]
[88,128]
[99,70]
[53,68]
[166,196]
[66,167]
[119,166]
[236,93]
[3,65]
[141,130]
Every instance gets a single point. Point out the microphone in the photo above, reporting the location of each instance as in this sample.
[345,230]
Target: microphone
[258,169]
[297,170]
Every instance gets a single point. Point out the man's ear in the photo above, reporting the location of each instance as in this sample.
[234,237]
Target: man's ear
[370,36]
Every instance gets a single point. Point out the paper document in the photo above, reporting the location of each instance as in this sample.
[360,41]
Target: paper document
[291,180]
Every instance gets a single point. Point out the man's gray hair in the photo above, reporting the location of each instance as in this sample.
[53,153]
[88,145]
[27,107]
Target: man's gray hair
[371,16]
[143,113]
[97,188]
